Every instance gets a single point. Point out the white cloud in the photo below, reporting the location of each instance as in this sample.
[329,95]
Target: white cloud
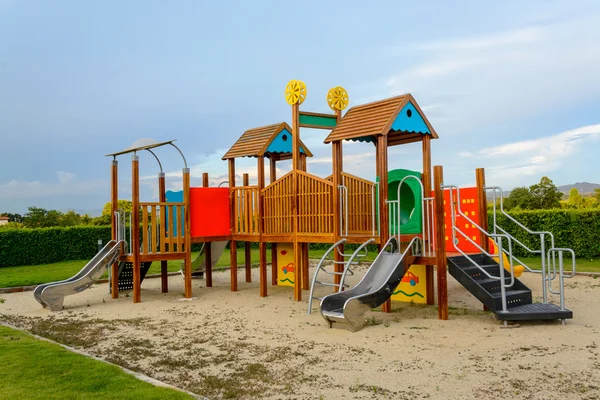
[67,184]
[65,177]
[513,164]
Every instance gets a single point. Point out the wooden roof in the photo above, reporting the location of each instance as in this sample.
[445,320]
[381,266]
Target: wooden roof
[376,119]
[254,142]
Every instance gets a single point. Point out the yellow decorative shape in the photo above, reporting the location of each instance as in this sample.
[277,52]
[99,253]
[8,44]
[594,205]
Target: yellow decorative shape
[337,98]
[286,271]
[517,269]
[295,92]
[413,286]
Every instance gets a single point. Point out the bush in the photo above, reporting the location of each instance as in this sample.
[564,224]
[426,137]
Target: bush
[578,229]
[49,245]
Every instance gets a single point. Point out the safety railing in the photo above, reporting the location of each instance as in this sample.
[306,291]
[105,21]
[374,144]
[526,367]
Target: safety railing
[162,226]
[498,238]
[246,210]
[278,199]
[358,206]
[548,269]
[427,218]
[315,204]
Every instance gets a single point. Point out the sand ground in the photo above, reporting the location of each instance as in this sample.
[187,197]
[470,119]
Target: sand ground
[238,345]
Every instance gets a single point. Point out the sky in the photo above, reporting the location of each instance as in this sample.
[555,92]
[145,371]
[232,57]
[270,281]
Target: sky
[510,86]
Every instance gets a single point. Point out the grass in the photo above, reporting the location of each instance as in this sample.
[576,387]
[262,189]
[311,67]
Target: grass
[36,274]
[35,369]
[44,273]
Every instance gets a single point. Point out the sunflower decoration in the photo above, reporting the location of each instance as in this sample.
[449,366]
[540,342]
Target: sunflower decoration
[337,98]
[295,92]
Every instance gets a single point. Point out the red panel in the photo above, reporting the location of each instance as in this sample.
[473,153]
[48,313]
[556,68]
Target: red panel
[209,211]
[469,201]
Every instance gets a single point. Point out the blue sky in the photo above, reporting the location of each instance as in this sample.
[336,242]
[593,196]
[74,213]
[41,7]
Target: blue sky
[510,86]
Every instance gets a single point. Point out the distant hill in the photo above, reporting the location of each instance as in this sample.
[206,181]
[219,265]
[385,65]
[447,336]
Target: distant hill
[583,187]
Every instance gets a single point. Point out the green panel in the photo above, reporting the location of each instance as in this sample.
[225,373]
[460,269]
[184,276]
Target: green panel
[410,201]
[318,121]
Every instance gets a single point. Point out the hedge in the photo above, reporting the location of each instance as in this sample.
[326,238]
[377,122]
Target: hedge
[49,245]
[578,229]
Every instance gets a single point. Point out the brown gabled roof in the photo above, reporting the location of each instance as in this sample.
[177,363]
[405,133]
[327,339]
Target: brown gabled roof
[4,218]
[254,142]
[374,119]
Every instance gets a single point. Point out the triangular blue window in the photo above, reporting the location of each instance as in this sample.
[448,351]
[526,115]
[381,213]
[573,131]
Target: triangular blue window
[282,143]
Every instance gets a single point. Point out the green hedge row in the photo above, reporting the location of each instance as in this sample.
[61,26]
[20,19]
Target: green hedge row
[49,245]
[578,229]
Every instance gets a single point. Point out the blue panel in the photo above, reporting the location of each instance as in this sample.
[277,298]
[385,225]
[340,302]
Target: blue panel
[175,197]
[409,120]
[282,143]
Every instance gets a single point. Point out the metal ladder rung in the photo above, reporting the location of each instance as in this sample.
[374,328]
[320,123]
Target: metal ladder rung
[327,283]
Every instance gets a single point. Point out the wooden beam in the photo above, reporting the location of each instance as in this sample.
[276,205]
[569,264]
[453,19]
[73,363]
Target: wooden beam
[135,227]
[426,178]
[114,197]
[187,235]
[337,167]
[295,167]
[442,283]
[482,205]
[232,244]
[164,271]
[262,246]
[382,173]
[273,178]
[305,267]
[207,246]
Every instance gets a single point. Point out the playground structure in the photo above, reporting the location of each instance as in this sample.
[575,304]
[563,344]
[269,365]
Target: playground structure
[412,220]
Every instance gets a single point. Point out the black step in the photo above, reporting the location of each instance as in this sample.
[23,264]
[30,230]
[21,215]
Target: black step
[535,312]
[514,298]
[477,273]
[126,274]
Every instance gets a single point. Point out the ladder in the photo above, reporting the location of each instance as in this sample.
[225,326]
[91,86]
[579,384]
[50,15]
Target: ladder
[349,260]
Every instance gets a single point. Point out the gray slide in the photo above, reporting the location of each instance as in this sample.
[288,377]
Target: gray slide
[52,295]
[378,284]
[199,263]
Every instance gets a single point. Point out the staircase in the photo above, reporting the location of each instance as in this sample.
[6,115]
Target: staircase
[520,306]
[126,274]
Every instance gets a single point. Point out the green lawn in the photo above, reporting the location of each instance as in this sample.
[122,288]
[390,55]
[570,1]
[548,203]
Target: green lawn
[44,273]
[36,274]
[35,369]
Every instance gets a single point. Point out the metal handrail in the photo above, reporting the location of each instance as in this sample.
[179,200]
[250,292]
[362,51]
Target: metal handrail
[374,220]
[343,193]
[499,238]
[561,275]
[364,245]
[319,267]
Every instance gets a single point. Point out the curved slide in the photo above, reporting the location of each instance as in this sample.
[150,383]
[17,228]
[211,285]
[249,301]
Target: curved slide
[52,295]
[378,284]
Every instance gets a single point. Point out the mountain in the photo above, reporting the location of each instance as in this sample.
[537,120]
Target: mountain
[583,187]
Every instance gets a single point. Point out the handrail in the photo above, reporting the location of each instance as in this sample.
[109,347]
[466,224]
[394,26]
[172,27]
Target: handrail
[499,238]
[364,245]
[343,194]
[561,276]
[312,286]
[376,226]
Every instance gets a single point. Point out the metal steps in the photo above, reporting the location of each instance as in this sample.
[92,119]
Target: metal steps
[519,302]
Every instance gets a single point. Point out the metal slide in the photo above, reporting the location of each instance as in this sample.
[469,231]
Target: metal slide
[199,263]
[52,295]
[378,284]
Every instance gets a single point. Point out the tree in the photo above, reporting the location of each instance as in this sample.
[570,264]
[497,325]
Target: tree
[575,199]
[545,194]
[106,217]
[596,194]
[41,218]
[12,217]
[70,218]
[519,198]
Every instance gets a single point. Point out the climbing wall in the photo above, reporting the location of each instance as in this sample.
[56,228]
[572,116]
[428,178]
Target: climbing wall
[469,206]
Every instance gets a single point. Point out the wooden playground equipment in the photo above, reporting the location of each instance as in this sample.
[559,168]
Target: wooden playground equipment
[299,208]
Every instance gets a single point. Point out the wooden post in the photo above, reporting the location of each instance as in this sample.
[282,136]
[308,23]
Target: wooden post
[187,235]
[247,249]
[427,193]
[207,246]
[382,173]
[232,244]
[135,227]
[262,247]
[273,178]
[483,214]
[305,267]
[337,160]
[295,167]
[442,283]
[164,271]
[114,197]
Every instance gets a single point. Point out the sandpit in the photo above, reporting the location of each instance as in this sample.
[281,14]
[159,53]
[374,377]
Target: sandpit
[238,345]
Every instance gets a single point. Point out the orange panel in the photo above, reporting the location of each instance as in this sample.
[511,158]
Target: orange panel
[469,201]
